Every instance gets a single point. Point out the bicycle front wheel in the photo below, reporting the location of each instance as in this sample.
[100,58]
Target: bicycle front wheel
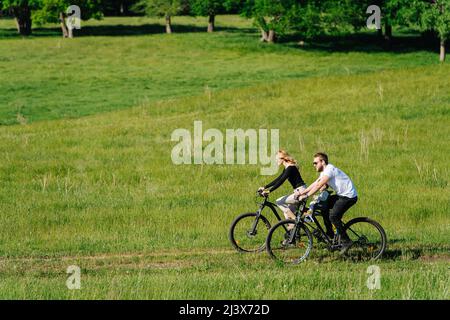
[279,246]
[368,237]
[247,234]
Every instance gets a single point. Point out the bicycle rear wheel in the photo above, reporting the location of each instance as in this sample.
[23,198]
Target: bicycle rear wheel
[245,236]
[368,237]
[279,248]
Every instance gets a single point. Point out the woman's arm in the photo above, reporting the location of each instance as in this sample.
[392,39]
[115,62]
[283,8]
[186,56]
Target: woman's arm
[278,181]
[274,181]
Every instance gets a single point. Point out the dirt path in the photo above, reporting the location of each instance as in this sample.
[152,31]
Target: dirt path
[167,259]
[161,259]
[102,256]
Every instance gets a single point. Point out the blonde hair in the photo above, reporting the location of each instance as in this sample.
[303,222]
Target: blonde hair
[286,157]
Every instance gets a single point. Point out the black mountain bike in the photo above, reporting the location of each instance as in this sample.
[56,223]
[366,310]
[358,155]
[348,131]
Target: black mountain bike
[291,241]
[248,232]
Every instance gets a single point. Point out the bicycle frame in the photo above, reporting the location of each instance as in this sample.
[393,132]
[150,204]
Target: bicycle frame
[302,208]
[298,213]
[318,226]
[262,205]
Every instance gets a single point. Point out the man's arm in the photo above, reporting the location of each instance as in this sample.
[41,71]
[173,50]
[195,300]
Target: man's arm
[316,186]
[313,185]
[310,187]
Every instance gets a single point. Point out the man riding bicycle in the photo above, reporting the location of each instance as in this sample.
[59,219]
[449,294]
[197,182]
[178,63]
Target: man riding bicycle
[345,197]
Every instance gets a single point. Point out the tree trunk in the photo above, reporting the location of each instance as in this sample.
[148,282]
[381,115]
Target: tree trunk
[442,53]
[168,25]
[62,20]
[211,21]
[272,36]
[264,35]
[22,15]
[387,32]
[261,23]
[380,33]
[17,24]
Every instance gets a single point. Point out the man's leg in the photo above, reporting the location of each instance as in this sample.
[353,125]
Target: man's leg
[326,215]
[340,207]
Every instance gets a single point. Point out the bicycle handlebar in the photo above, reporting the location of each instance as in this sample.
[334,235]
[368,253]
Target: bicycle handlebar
[262,194]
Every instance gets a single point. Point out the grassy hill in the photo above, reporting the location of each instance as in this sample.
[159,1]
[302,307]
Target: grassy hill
[101,191]
[106,68]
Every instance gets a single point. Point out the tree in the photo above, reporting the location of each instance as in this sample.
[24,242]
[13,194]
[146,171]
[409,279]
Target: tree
[21,10]
[431,17]
[42,11]
[393,12]
[55,11]
[315,17]
[207,8]
[436,16]
[272,17]
[342,14]
[233,6]
[161,8]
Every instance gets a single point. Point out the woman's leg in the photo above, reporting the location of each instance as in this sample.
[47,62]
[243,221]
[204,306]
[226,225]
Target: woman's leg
[288,205]
[285,207]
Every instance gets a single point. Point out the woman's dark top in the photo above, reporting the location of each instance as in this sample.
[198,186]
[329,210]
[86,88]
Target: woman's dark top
[292,174]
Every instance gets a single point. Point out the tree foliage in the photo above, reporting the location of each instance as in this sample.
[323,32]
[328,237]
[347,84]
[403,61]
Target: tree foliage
[271,16]
[206,7]
[43,11]
[49,10]
[159,8]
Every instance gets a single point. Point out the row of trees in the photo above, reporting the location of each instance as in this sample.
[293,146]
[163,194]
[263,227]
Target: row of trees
[273,17]
[313,17]
[53,11]
[42,11]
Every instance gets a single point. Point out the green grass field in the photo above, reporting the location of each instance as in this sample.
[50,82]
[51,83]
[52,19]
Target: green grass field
[86,176]
[45,77]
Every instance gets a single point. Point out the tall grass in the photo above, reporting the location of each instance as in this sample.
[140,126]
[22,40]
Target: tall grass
[108,181]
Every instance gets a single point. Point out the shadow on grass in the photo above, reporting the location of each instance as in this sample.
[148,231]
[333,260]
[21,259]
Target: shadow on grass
[401,252]
[121,30]
[423,253]
[352,42]
[364,42]
[398,240]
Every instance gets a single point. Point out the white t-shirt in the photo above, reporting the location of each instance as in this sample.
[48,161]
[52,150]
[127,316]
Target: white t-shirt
[339,181]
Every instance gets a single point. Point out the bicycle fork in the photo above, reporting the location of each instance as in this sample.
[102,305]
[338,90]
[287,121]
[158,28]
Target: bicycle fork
[253,230]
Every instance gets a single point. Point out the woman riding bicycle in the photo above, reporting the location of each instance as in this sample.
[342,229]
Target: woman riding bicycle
[287,203]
